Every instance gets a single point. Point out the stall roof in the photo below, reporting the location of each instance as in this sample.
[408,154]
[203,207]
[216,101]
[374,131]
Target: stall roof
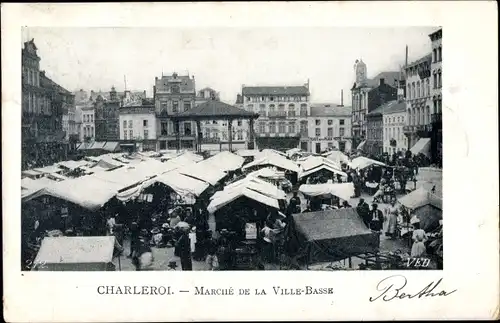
[31,172]
[49,169]
[73,164]
[274,160]
[363,162]
[268,173]
[421,197]
[330,224]
[315,161]
[255,184]
[225,161]
[71,250]
[248,152]
[229,196]
[293,151]
[342,190]
[337,156]
[205,172]
[320,167]
[87,191]
[182,184]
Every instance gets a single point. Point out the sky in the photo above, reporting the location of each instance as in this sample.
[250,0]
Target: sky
[224,58]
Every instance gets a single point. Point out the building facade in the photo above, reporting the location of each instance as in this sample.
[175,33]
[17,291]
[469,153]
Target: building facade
[436,120]
[138,126]
[173,94]
[394,120]
[374,132]
[106,117]
[329,127]
[418,99]
[283,115]
[367,95]
[87,132]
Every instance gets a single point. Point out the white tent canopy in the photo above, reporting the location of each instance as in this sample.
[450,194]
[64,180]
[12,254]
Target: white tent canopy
[322,167]
[337,156]
[315,161]
[274,160]
[422,146]
[225,161]
[255,184]
[229,196]
[248,152]
[268,173]
[49,169]
[182,184]
[363,162]
[343,191]
[204,172]
[419,198]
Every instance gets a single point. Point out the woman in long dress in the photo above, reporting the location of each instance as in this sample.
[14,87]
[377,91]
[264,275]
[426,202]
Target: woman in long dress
[392,219]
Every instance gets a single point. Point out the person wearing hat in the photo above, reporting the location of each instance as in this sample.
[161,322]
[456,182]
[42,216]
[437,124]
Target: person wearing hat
[134,239]
[377,219]
[363,210]
[174,218]
[295,202]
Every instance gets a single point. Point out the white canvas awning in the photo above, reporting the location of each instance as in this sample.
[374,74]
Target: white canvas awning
[49,169]
[227,197]
[343,191]
[363,162]
[182,184]
[322,167]
[248,152]
[204,172]
[423,146]
[225,161]
[337,156]
[419,198]
[274,160]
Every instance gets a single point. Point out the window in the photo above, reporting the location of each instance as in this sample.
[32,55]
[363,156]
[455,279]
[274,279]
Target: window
[341,132]
[439,54]
[439,79]
[272,127]
[175,106]
[91,131]
[187,105]
[124,124]
[175,89]
[330,132]
[303,110]
[281,109]
[91,118]
[240,135]
[418,89]
[408,91]
[427,85]
[291,110]
[146,134]
[434,86]
[318,132]
[131,134]
[144,123]
[341,122]
[303,127]
[330,122]
[187,128]
[239,123]
[271,98]
[124,134]
[224,135]
[164,128]
[282,127]
[434,55]
[271,108]
[262,127]
[413,90]
[291,127]
[318,122]
[130,123]
[163,106]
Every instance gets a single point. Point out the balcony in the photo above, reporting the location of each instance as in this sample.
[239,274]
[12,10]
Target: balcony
[277,134]
[277,114]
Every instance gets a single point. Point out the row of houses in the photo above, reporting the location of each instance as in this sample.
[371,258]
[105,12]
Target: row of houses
[400,110]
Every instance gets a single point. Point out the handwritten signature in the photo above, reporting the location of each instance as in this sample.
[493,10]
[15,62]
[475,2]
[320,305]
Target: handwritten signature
[392,288]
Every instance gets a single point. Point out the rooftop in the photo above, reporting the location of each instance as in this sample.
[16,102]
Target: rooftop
[212,109]
[329,110]
[390,78]
[47,83]
[388,108]
[275,90]
[427,58]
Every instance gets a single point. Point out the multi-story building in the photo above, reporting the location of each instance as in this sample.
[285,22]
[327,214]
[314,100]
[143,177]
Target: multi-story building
[395,115]
[436,121]
[69,122]
[173,94]
[138,126]
[42,109]
[283,115]
[374,131]
[329,127]
[106,117]
[418,100]
[367,95]
[87,132]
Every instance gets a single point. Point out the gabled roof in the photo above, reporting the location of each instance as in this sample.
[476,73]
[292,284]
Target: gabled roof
[275,90]
[47,83]
[427,58]
[213,109]
[389,107]
[390,78]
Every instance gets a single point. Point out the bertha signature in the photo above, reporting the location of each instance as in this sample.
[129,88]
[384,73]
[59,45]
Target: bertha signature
[392,288]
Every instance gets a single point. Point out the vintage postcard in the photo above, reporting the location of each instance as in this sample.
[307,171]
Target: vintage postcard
[325,159]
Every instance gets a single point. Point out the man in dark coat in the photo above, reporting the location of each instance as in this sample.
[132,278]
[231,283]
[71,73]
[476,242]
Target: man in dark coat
[183,251]
[134,238]
[364,212]
[295,203]
[377,218]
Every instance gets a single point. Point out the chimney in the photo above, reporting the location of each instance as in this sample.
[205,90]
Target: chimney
[382,81]
[341,98]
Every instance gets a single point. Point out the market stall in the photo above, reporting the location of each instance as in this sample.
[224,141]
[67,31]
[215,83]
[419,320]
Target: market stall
[75,254]
[332,235]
